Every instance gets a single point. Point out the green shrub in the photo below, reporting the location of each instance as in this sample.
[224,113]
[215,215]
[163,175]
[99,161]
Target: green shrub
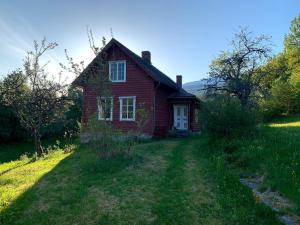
[224,116]
[68,124]
[106,141]
[10,127]
[283,100]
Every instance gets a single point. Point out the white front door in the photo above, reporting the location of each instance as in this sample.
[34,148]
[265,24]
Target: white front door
[181,117]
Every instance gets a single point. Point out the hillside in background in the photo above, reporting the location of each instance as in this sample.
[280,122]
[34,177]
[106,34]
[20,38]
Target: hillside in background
[195,87]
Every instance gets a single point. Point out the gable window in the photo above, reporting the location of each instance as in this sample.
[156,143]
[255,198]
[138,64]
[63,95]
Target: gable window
[127,108]
[117,71]
[105,108]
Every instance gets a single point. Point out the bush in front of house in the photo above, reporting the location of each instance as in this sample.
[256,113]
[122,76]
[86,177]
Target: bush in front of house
[105,140]
[223,116]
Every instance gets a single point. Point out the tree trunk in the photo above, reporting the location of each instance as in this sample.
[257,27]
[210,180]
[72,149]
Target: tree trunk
[244,100]
[37,143]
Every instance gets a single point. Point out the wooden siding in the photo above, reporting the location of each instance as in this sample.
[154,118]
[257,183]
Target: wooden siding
[162,111]
[138,84]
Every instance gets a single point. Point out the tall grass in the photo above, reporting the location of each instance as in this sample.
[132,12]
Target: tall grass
[237,204]
[274,154]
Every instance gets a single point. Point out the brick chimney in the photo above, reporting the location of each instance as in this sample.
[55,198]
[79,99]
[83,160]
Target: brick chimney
[179,80]
[146,56]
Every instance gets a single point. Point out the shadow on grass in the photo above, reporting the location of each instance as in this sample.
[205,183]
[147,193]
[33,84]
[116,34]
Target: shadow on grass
[12,152]
[60,196]
[287,119]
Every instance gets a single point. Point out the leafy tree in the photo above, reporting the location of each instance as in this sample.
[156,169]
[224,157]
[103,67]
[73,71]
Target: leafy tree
[10,127]
[43,99]
[282,100]
[74,113]
[292,50]
[282,83]
[276,69]
[67,125]
[237,72]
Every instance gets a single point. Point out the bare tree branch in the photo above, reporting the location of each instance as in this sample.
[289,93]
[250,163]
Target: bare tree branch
[237,71]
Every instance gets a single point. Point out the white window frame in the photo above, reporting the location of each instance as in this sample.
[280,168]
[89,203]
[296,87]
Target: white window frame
[111,108]
[117,62]
[121,107]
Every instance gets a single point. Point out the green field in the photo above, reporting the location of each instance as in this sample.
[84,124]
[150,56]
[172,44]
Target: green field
[171,181]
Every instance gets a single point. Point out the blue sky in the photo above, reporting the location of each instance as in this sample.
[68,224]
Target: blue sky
[183,36]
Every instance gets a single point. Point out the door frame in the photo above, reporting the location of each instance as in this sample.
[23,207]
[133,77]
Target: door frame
[181,121]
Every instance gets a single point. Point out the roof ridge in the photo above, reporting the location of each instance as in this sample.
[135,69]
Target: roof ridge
[172,83]
[148,67]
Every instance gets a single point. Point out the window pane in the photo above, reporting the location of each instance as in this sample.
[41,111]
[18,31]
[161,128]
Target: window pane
[130,108]
[100,108]
[124,115]
[130,101]
[121,71]
[130,115]
[113,71]
[109,103]
[104,108]
[100,114]
[124,108]
[108,107]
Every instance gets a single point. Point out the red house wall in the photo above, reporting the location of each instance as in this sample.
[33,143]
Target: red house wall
[138,84]
[162,111]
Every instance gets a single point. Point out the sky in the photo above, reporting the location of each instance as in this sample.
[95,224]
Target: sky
[183,36]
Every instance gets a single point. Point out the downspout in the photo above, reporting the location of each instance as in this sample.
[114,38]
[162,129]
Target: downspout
[154,106]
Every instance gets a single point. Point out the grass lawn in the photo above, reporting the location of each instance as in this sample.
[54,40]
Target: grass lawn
[172,181]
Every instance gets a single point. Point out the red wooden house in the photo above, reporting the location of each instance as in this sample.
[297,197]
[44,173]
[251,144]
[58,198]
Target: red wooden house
[136,81]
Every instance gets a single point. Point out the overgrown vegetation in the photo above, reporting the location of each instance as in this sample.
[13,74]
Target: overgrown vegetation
[281,158]
[105,140]
[223,116]
[272,156]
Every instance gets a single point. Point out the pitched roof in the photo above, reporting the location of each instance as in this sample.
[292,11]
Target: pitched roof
[155,73]
[181,94]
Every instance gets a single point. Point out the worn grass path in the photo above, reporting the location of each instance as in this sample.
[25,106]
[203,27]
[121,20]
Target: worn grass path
[172,204]
[166,182]
[184,198]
